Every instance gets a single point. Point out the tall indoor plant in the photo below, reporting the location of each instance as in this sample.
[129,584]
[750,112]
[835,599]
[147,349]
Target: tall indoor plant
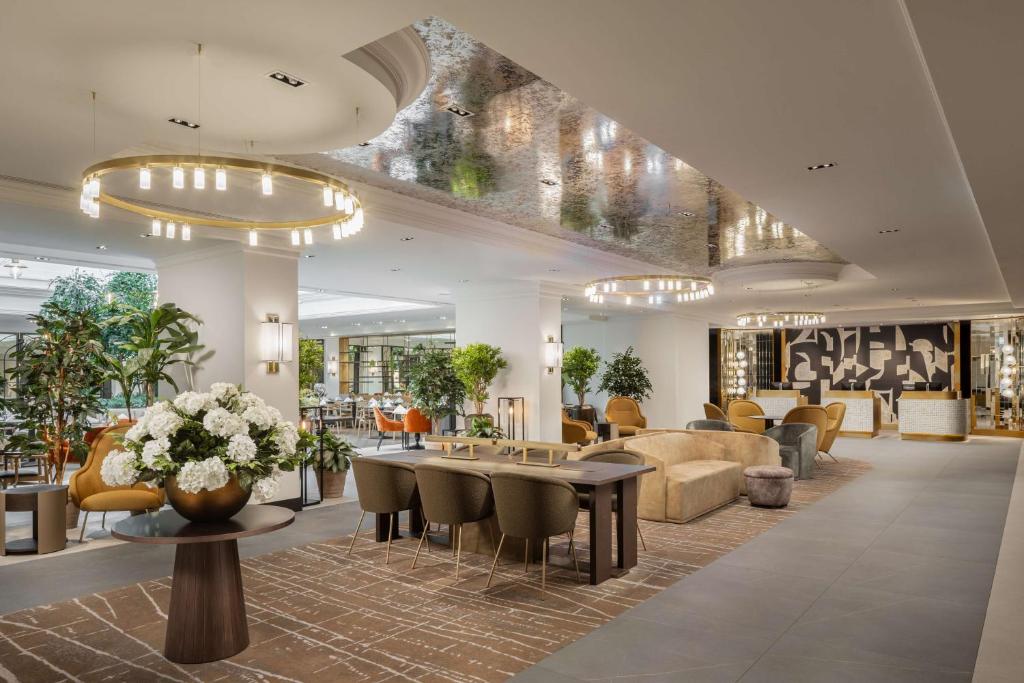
[436,390]
[476,366]
[579,365]
[57,382]
[625,375]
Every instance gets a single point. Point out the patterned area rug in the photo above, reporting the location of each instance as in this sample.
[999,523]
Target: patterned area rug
[318,614]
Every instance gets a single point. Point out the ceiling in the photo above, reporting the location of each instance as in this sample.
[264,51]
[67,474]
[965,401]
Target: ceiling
[911,100]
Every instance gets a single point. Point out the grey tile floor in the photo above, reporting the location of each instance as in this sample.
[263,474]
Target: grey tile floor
[888,579]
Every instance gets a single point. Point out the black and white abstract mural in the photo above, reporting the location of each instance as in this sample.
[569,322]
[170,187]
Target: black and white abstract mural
[882,357]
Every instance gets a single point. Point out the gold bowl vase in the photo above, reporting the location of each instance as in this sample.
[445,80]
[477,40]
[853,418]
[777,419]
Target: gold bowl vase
[207,506]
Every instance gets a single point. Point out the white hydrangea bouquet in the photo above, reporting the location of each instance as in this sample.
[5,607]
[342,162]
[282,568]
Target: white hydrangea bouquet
[202,439]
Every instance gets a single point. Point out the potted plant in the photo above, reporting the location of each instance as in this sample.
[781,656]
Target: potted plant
[436,390]
[210,450]
[483,428]
[476,366]
[337,458]
[579,365]
[56,381]
[626,376]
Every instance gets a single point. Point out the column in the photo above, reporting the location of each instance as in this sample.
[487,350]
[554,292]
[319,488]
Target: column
[232,289]
[518,317]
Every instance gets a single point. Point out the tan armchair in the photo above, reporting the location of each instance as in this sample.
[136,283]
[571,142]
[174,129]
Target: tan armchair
[576,431]
[713,412]
[625,412]
[89,492]
[740,411]
[836,412]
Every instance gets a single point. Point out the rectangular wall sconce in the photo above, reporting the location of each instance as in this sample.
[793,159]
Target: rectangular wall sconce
[275,343]
[332,366]
[552,354]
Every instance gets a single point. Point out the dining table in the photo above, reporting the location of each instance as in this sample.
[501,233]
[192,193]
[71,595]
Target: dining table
[769,420]
[601,480]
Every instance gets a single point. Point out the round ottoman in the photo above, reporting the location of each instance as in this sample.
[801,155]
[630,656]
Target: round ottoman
[769,486]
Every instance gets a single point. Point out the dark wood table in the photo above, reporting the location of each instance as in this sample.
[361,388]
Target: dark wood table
[206,620]
[600,479]
[47,503]
[607,431]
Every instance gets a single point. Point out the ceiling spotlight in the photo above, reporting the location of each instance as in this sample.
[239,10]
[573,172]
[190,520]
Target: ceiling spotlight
[407,239]
[888,231]
[395,270]
[101,247]
[554,270]
[548,181]
[42,258]
[309,256]
[287,79]
[459,111]
[323,327]
[183,122]
[688,214]
[818,167]
[364,144]
[463,281]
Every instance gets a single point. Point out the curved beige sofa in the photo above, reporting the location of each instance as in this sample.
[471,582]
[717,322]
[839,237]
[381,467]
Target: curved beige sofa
[695,471]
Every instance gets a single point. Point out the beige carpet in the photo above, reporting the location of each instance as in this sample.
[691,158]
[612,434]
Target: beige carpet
[317,614]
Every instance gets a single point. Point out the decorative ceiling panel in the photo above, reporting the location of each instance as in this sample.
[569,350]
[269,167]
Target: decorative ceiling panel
[488,137]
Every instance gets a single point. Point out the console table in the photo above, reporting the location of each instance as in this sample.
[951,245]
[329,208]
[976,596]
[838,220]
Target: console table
[206,620]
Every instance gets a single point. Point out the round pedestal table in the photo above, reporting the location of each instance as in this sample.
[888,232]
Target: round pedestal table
[206,619]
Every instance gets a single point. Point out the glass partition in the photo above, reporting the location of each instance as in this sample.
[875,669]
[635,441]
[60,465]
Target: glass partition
[381,364]
[745,363]
[996,386]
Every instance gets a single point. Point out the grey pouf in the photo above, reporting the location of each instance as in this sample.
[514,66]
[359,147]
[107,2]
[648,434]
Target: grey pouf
[769,486]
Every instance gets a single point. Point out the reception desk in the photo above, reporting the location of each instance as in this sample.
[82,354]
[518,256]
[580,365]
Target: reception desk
[778,401]
[934,416]
[863,412]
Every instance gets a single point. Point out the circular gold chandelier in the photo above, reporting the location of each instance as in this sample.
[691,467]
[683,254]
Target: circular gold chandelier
[650,289]
[345,220]
[781,319]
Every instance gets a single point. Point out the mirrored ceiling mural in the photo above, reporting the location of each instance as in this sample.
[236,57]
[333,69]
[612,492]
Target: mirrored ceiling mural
[488,137]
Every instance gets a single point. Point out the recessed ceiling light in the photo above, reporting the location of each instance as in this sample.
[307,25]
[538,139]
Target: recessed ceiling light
[287,79]
[548,182]
[42,258]
[688,214]
[309,256]
[146,235]
[407,239]
[458,111]
[818,167]
[183,122]
[323,327]
[463,281]
[888,231]
[364,144]
[395,270]
[444,317]
[101,247]
[554,270]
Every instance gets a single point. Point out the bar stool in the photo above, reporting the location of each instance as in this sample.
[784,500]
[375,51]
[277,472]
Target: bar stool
[385,488]
[453,497]
[534,507]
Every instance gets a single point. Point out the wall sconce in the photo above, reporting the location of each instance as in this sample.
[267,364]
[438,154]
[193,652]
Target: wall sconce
[332,366]
[552,354]
[275,343]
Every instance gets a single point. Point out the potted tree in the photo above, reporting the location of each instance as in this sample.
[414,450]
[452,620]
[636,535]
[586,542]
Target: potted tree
[337,459]
[476,365]
[436,390]
[57,381]
[579,365]
[625,375]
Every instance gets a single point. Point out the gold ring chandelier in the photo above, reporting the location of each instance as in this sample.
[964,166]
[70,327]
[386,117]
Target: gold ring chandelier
[781,319]
[345,220]
[650,289]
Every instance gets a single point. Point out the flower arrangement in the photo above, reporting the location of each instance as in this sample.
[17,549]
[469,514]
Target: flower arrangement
[202,439]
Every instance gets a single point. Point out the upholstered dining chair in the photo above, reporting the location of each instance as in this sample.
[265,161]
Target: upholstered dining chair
[798,447]
[713,412]
[415,422]
[452,496]
[621,457]
[836,413]
[740,411]
[528,507]
[625,412]
[90,493]
[576,431]
[385,425]
[812,415]
[710,425]
[384,488]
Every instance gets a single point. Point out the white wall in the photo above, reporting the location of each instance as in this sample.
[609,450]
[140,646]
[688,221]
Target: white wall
[518,318]
[673,349]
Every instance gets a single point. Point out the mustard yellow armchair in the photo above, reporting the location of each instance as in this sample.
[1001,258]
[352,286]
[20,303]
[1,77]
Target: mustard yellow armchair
[576,431]
[625,412]
[89,492]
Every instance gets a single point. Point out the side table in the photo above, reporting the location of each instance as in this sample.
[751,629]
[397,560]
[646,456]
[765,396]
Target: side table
[47,503]
[206,619]
[607,431]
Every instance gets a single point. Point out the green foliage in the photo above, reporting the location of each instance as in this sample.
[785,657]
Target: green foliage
[158,339]
[136,290]
[626,376]
[579,365]
[436,390]
[338,453]
[476,365]
[78,292]
[482,428]
[311,362]
[57,382]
